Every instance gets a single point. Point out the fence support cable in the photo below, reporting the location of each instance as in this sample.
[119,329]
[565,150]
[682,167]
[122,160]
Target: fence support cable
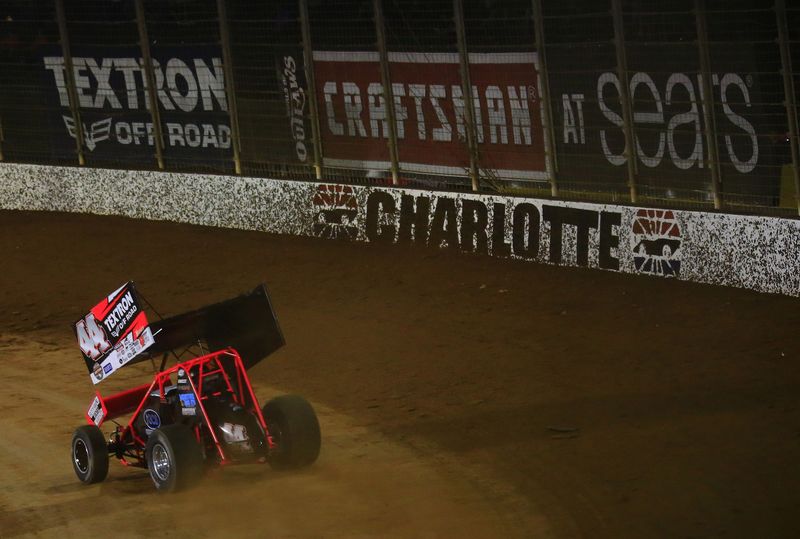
[624,96]
[707,100]
[466,89]
[544,95]
[311,87]
[72,94]
[230,87]
[789,96]
[147,59]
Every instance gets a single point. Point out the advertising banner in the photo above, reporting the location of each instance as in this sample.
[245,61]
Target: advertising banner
[296,130]
[669,112]
[113,332]
[113,102]
[430,107]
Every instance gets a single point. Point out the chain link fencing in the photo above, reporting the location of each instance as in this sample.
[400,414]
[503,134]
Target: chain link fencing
[685,104]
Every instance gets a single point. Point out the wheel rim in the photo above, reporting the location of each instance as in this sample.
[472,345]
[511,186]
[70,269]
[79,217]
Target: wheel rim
[80,455]
[160,460]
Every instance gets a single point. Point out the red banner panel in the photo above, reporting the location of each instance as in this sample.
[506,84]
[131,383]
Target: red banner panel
[430,112]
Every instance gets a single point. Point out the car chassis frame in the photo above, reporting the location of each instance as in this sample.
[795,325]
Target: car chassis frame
[126,444]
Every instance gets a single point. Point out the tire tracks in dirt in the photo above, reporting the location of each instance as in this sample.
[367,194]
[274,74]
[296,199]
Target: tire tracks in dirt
[364,485]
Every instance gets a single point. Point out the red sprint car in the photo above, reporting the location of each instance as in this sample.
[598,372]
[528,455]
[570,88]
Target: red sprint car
[198,413]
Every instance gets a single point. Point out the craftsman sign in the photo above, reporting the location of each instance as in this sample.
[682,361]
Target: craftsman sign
[430,112]
[114,106]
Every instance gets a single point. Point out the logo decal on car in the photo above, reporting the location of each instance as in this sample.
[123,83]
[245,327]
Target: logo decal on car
[151,419]
[98,371]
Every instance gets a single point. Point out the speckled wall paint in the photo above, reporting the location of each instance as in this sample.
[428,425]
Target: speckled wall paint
[760,253]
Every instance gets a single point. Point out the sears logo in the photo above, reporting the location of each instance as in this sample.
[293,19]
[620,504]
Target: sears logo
[336,208]
[151,419]
[656,243]
[107,368]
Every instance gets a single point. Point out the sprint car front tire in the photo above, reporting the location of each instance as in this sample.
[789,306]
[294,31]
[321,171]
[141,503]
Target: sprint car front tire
[174,458]
[89,454]
[293,425]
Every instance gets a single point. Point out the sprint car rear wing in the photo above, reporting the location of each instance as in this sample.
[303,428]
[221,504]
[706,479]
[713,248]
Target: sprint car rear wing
[246,323]
[113,332]
[116,331]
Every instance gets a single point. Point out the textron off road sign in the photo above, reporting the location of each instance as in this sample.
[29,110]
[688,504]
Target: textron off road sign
[112,98]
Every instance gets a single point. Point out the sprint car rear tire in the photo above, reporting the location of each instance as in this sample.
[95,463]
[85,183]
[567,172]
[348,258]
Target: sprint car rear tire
[294,428]
[174,458]
[89,454]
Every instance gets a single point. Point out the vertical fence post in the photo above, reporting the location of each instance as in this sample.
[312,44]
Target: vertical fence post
[707,100]
[544,94]
[147,59]
[624,97]
[466,90]
[72,94]
[311,87]
[230,87]
[386,81]
[788,92]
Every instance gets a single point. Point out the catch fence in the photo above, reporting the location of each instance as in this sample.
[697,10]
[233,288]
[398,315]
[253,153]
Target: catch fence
[685,104]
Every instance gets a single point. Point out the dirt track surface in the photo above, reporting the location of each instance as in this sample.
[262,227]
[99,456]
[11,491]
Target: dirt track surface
[459,396]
